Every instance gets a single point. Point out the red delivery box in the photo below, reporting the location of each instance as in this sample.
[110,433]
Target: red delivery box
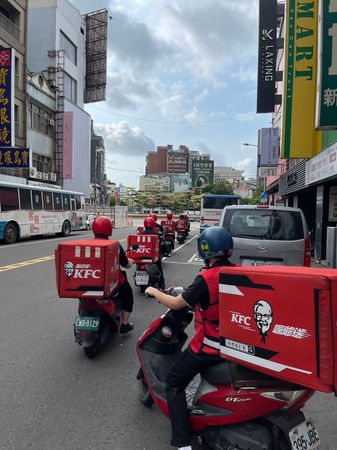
[281,321]
[148,248]
[87,268]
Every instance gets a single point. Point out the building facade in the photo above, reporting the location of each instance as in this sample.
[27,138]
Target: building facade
[13,34]
[228,174]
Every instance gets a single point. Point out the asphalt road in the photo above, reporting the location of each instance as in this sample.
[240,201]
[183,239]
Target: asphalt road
[51,396]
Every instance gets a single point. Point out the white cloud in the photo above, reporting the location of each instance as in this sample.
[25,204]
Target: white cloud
[193,116]
[200,97]
[122,139]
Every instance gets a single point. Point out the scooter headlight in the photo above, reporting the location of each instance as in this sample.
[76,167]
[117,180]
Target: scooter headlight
[284,396]
[166,331]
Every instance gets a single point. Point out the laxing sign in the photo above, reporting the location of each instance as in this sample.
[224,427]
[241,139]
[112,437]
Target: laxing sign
[326,117]
[299,138]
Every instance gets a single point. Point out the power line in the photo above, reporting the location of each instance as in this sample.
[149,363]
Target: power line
[125,170]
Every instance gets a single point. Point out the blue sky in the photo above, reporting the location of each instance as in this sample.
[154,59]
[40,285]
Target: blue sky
[179,72]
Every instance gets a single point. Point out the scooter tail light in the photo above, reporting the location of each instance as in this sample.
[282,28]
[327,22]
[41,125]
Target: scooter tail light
[307,256]
[288,397]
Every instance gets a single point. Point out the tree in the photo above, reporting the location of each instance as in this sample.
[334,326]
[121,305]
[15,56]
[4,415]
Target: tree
[219,188]
[112,201]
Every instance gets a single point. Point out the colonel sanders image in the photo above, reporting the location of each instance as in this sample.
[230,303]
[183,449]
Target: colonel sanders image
[263,315]
[68,269]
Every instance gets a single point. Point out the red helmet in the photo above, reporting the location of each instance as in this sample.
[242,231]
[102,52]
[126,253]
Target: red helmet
[149,222]
[155,217]
[102,226]
[169,215]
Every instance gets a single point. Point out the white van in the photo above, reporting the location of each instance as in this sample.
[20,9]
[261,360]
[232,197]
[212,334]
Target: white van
[267,235]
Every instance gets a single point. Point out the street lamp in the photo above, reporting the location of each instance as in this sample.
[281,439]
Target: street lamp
[249,145]
[98,150]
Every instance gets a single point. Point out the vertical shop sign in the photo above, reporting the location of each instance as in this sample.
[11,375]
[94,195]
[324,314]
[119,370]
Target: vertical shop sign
[7,128]
[267,56]
[299,138]
[326,117]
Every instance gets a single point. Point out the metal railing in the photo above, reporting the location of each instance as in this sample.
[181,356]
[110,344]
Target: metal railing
[10,27]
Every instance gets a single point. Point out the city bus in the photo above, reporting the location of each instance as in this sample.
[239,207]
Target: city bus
[212,206]
[27,211]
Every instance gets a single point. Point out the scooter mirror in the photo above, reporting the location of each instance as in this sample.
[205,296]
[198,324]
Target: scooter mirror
[134,247]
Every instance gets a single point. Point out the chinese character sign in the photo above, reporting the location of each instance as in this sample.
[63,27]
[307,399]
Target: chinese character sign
[327,84]
[202,173]
[6,97]
[14,158]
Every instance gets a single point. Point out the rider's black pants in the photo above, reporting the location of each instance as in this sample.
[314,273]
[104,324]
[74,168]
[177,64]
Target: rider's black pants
[161,281]
[126,295]
[182,372]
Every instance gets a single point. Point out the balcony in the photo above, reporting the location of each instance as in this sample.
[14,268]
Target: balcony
[10,27]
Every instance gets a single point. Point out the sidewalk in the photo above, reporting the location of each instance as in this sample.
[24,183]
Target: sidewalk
[323,264]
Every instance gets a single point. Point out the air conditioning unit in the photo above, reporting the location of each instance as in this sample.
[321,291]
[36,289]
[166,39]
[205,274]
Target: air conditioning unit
[39,175]
[52,176]
[32,172]
[51,122]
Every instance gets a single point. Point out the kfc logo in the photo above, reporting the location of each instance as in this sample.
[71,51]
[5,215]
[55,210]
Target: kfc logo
[80,271]
[263,315]
[142,250]
[68,269]
[240,319]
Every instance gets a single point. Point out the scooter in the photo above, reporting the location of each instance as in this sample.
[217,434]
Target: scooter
[97,319]
[146,274]
[168,239]
[181,234]
[230,406]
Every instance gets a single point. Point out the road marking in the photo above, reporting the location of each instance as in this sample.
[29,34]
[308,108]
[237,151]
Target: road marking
[26,263]
[192,258]
[193,263]
[181,246]
[42,241]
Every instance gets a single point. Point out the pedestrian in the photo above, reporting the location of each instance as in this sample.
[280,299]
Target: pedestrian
[215,246]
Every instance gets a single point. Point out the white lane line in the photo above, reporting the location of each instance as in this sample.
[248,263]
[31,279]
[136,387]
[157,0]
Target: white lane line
[189,263]
[192,258]
[181,246]
[42,241]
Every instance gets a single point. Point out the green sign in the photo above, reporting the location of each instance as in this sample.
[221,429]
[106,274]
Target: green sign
[202,173]
[327,91]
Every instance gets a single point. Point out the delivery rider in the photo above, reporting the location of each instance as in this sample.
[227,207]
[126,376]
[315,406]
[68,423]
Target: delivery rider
[102,229]
[215,246]
[149,228]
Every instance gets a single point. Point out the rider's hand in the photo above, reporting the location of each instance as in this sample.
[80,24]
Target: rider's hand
[150,291]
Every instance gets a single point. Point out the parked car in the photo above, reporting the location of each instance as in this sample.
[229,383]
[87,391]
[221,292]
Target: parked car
[267,235]
[89,221]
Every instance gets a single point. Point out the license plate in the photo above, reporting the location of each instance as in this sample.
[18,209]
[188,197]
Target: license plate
[304,436]
[249,262]
[142,278]
[86,323]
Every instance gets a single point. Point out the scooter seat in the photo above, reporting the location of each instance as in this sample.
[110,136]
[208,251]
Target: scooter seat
[226,372]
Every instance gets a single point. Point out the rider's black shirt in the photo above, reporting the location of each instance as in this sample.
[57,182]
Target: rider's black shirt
[123,259]
[197,292]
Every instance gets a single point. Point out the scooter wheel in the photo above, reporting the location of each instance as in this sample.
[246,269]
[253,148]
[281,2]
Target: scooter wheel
[91,352]
[144,394]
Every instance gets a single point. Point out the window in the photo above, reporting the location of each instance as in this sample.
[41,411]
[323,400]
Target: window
[70,88]
[17,71]
[57,201]
[78,201]
[39,119]
[47,201]
[16,119]
[66,202]
[42,163]
[25,199]
[37,199]
[9,199]
[69,48]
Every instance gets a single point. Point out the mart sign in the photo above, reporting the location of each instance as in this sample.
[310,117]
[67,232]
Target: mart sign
[326,117]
